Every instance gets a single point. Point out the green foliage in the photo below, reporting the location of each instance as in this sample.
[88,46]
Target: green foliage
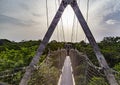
[117,67]
[19,54]
[49,71]
[97,81]
[117,75]
[15,58]
[45,75]
[110,47]
[16,55]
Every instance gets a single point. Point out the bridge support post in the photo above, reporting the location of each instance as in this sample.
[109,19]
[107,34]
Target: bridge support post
[43,44]
[100,57]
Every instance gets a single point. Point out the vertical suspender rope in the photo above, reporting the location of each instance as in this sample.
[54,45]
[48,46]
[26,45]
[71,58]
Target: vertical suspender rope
[86,38]
[57,25]
[87,14]
[62,25]
[77,25]
[47,13]
[73,28]
[76,31]
[63,30]
[47,28]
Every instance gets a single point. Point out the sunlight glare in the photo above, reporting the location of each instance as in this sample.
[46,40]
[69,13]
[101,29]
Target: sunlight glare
[67,17]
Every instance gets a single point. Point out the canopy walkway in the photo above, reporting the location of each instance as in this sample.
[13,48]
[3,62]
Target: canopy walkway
[66,78]
[75,69]
[71,67]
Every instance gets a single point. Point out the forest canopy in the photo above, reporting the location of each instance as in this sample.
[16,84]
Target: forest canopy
[19,54]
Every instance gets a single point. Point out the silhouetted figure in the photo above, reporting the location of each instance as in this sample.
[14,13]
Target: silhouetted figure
[68,47]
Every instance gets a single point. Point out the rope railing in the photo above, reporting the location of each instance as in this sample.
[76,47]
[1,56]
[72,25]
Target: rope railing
[8,76]
[12,76]
[117,75]
[49,70]
[7,73]
[85,72]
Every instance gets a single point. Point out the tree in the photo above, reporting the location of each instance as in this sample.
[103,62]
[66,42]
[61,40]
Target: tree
[97,81]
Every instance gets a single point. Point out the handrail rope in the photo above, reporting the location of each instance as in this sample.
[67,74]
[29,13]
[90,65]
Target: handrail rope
[96,72]
[114,71]
[93,68]
[11,72]
[15,70]
[89,62]
[90,76]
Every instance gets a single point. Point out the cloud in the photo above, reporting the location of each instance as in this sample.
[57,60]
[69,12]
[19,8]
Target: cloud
[10,20]
[104,18]
[23,14]
[103,9]
[117,5]
[36,15]
[112,22]
[14,21]
[24,6]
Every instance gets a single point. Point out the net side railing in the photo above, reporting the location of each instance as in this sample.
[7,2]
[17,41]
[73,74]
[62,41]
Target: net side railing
[85,72]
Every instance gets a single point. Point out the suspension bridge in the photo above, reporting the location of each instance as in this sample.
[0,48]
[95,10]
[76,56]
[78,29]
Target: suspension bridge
[69,59]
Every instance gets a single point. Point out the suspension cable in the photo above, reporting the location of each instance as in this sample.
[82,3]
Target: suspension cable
[77,31]
[60,38]
[63,29]
[77,24]
[87,14]
[47,13]
[62,25]
[73,28]
[57,25]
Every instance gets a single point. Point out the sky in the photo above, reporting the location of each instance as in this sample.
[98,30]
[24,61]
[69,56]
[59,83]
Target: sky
[26,19]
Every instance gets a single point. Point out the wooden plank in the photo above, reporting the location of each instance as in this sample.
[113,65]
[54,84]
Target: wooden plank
[100,57]
[43,44]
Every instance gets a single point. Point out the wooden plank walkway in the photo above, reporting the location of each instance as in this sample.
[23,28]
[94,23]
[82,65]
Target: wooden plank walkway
[66,78]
